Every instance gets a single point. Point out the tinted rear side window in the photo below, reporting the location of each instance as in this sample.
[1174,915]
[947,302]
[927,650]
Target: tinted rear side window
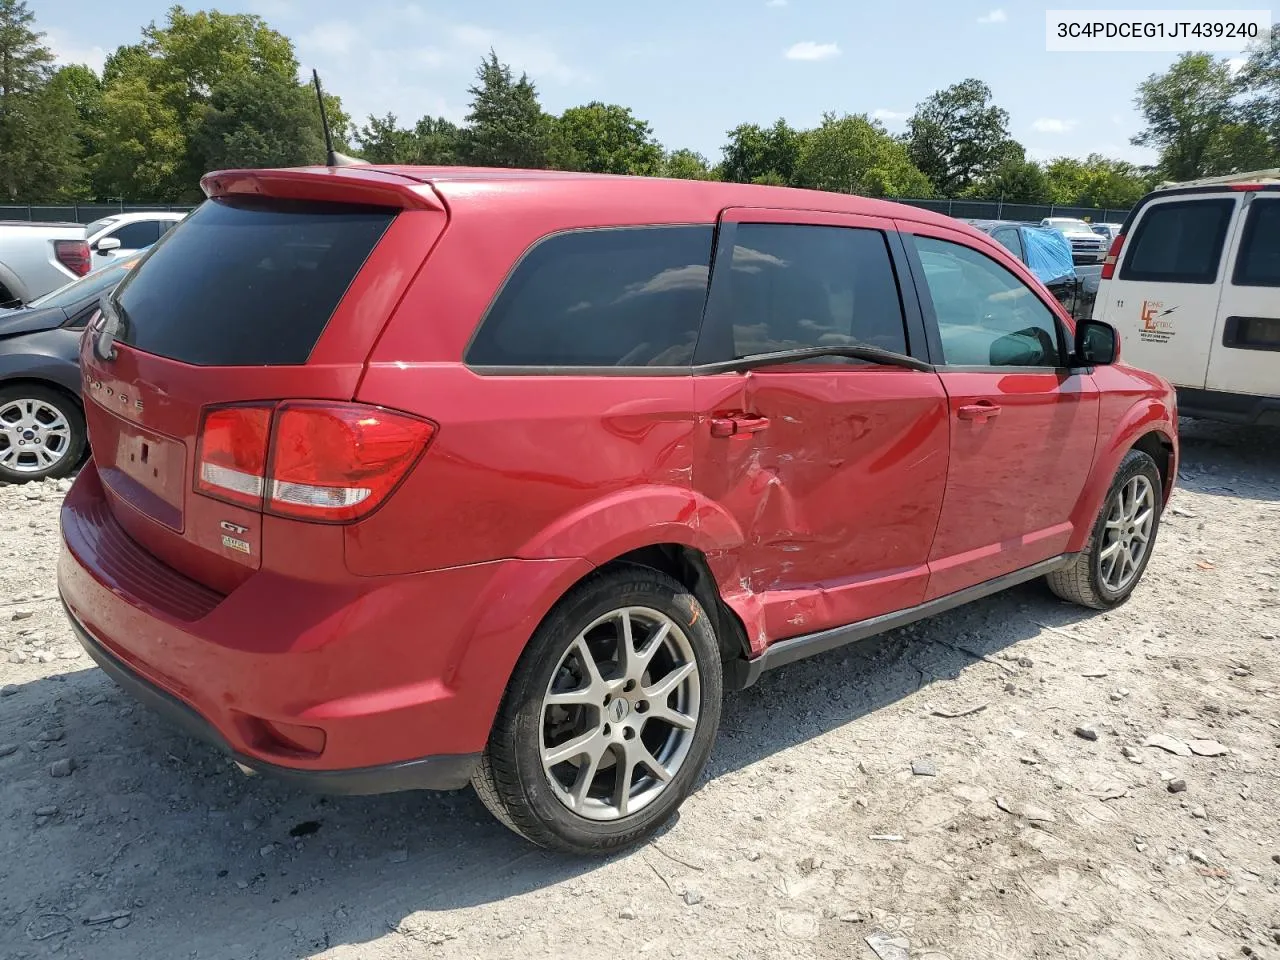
[1178,242]
[794,286]
[1258,263]
[246,282]
[627,297]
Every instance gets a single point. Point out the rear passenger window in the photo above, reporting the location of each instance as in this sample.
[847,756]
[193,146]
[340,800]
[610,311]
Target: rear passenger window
[1178,242]
[794,286]
[628,297]
[987,317]
[136,235]
[1258,262]
[1010,240]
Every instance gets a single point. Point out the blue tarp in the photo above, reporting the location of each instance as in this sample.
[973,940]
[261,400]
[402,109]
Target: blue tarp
[1048,254]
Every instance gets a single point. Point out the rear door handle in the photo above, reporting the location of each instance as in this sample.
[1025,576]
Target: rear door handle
[982,411]
[732,426]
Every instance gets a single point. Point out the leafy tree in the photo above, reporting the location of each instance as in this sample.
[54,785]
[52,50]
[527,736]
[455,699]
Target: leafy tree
[756,154]
[687,165]
[1185,109]
[144,143]
[39,153]
[433,141]
[958,137]
[603,138]
[263,121]
[1015,180]
[1259,81]
[854,154]
[437,142]
[1095,182]
[507,127]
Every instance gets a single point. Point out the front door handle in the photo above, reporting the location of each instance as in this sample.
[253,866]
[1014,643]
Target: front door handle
[981,412]
[738,424]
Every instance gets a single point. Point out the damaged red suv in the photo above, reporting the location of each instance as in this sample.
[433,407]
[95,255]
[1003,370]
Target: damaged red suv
[437,476]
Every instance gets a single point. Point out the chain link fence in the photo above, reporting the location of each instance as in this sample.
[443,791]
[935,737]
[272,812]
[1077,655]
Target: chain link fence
[963,209]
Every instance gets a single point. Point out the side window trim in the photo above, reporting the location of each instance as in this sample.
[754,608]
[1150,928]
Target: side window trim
[933,331]
[1253,216]
[715,338]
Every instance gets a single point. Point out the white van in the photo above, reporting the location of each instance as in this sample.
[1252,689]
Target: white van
[1192,283]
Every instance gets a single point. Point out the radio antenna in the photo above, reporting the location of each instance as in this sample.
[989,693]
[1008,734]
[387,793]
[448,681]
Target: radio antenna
[332,157]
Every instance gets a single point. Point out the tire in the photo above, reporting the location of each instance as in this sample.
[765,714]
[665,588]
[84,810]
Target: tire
[1091,580]
[575,805]
[31,417]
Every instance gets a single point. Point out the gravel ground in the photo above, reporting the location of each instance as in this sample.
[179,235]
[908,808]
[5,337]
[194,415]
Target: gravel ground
[1036,823]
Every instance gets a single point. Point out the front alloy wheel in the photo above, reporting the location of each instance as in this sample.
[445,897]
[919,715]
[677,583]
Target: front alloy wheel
[608,717]
[41,434]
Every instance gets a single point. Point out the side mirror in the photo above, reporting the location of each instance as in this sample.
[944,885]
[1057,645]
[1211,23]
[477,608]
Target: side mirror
[1097,343]
[107,244]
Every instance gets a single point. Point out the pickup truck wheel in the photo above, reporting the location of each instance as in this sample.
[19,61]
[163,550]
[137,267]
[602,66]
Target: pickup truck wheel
[609,716]
[1112,562]
[42,433]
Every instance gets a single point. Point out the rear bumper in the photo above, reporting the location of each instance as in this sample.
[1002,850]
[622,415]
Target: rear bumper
[396,679]
[1243,408]
[426,773]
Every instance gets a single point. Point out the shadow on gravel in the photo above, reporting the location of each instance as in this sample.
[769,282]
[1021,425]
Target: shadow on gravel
[213,864]
[1224,459]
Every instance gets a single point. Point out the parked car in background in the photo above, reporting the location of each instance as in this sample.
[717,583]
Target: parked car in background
[41,420]
[1086,246]
[1193,285]
[37,258]
[124,233]
[1046,252]
[657,437]
[1109,231]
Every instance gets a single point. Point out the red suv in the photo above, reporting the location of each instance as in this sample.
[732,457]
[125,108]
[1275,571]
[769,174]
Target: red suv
[407,478]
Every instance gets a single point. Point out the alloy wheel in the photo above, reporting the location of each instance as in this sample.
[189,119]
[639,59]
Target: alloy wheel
[1127,533]
[34,435]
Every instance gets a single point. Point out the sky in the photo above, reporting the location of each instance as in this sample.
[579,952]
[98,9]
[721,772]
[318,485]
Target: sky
[692,68]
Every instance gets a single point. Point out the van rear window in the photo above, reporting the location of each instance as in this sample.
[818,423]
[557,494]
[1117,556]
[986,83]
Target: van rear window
[247,282]
[1178,242]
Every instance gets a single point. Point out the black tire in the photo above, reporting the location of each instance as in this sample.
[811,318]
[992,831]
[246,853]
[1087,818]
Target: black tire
[510,779]
[76,440]
[1082,582]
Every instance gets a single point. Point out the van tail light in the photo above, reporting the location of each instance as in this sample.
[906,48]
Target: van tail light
[1109,264]
[72,254]
[333,462]
[231,454]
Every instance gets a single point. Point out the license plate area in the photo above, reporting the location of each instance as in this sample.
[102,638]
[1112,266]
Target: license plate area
[144,469]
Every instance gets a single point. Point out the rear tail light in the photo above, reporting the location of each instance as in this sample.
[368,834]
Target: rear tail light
[332,462]
[72,254]
[1109,264]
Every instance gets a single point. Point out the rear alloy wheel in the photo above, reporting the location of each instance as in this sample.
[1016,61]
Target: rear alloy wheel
[1108,569]
[42,434]
[609,717]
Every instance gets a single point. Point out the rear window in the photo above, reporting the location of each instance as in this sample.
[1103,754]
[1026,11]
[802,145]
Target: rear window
[1258,263]
[627,297]
[247,282]
[1178,242]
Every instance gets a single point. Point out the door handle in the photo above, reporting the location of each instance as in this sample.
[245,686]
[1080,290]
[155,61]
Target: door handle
[735,425]
[981,412]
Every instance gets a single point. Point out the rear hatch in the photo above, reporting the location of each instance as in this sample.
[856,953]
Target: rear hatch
[273,291]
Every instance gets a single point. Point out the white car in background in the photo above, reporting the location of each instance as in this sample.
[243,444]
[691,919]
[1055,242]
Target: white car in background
[1086,246]
[124,233]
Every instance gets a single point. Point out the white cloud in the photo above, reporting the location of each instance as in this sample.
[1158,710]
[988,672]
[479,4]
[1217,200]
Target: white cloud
[889,116]
[995,16]
[776,3]
[67,51]
[1235,64]
[808,50]
[466,44]
[334,37]
[1052,125]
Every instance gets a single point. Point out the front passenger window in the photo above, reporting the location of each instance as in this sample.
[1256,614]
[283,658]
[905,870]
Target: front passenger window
[987,317]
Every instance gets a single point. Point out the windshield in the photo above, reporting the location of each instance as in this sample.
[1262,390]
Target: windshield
[1076,226]
[95,283]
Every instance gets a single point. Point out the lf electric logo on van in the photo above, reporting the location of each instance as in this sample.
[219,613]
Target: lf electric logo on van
[1156,325]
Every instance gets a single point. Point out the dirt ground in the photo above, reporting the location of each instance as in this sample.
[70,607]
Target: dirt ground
[809,834]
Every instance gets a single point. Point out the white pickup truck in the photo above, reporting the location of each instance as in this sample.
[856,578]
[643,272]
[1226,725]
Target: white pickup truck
[37,258]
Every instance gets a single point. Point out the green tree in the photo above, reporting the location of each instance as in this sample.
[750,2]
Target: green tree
[1015,180]
[144,144]
[433,141]
[756,154]
[262,121]
[1186,109]
[958,137]
[507,127]
[687,165]
[854,154]
[1096,182]
[603,138]
[1259,81]
[437,142]
[39,152]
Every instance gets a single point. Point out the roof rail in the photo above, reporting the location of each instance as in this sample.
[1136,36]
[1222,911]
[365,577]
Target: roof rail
[1256,176]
